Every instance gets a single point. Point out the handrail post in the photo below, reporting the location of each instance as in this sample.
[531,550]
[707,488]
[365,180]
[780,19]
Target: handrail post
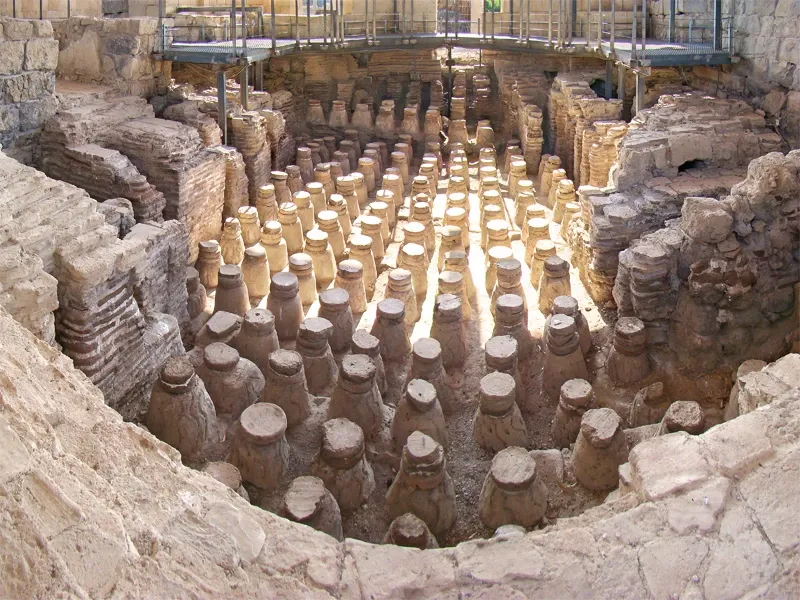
[325,22]
[644,29]
[717,45]
[244,28]
[671,25]
[403,20]
[243,85]
[222,111]
[550,25]
[528,23]
[308,21]
[613,24]
[633,32]
[484,19]
[374,23]
[493,13]
[297,23]
[412,21]
[233,25]
[588,23]
[366,20]
[272,24]
[446,18]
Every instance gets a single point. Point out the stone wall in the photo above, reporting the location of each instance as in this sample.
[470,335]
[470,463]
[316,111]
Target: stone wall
[51,9]
[59,254]
[710,516]
[717,286]
[28,58]
[112,52]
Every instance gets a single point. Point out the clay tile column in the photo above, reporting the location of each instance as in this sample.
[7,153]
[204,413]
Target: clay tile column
[537,229]
[501,354]
[426,363]
[389,328]
[320,367]
[308,502]
[322,258]
[509,281]
[255,272]
[334,305]
[414,258]
[448,329]
[251,228]
[577,396]
[564,359]
[410,531]
[257,338]
[512,493]
[452,282]
[231,242]
[275,246]
[328,222]
[286,385]
[418,410]
[543,250]
[498,422]
[361,247]
[232,295]
[510,320]
[301,265]
[683,415]
[266,204]
[338,204]
[284,302]
[233,383]
[181,413]
[356,396]
[400,286]
[350,277]
[209,261]
[567,305]
[555,282]
[259,448]
[628,361]
[365,343]
[599,450]
[423,486]
[342,465]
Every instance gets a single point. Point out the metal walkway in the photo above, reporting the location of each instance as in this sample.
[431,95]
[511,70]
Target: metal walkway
[653,53]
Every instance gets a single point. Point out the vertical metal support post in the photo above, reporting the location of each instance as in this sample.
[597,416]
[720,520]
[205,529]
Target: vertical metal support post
[550,24]
[560,40]
[609,77]
[717,24]
[325,22]
[69,8]
[613,26]
[600,24]
[297,23]
[308,21]
[411,33]
[484,19]
[222,109]
[160,21]
[403,20]
[374,22]
[588,32]
[633,33]
[41,9]
[644,29]
[243,87]
[244,27]
[233,25]
[13,9]
[528,22]
[260,76]
[446,19]
[493,13]
[671,27]
[621,71]
[366,20]
[449,79]
[272,24]
[639,91]
[573,19]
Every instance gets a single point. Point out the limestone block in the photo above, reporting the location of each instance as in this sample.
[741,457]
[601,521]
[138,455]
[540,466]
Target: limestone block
[668,578]
[41,55]
[700,508]
[26,86]
[244,529]
[738,446]
[668,464]
[706,220]
[12,57]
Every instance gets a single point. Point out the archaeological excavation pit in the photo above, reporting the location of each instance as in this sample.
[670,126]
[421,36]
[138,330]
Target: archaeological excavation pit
[402,301]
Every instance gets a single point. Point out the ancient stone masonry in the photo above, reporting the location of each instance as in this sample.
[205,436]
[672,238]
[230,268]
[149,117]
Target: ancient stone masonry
[169,154]
[28,58]
[717,285]
[573,107]
[710,139]
[113,52]
[109,320]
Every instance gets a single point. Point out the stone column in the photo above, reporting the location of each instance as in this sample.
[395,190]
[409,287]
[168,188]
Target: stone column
[322,257]
[259,448]
[576,398]
[599,450]
[418,410]
[257,338]
[410,531]
[448,329]
[342,465]
[356,396]
[284,302]
[308,502]
[232,295]
[423,486]
[555,282]
[628,362]
[501,354]
[302,266]
[512,493]
[389,328]
[510,320]
[275,246]
[286,386]
[320,367]
[498,422]
[426,363]
[255,272]
[334,305]
[564,359]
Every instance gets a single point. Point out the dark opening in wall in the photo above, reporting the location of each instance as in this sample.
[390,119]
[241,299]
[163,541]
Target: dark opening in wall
[599,87]
[692,164]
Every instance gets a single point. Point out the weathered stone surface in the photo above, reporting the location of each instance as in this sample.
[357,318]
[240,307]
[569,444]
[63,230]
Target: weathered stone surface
[668,464]
[706,220]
